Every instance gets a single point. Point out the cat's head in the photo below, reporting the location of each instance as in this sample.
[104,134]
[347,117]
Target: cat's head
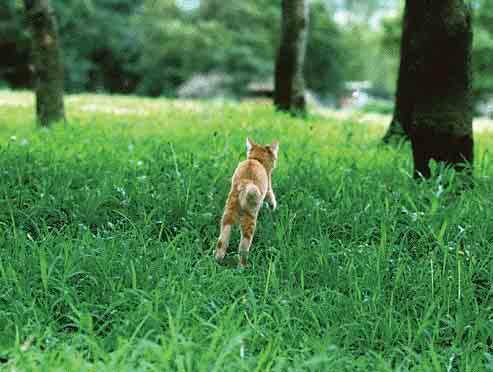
[266,154]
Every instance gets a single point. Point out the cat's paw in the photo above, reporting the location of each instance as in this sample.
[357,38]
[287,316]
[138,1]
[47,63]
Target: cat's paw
[220,252]
[242,263]
[270,205]
[219,256]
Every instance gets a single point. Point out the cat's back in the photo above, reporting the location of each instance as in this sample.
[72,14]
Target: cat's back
[251,170]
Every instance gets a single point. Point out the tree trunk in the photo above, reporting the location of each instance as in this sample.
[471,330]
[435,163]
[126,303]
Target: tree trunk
[436,107]
[47,61]
[396,132]
[289,88]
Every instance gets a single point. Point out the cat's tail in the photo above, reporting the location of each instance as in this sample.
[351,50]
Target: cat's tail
[249,197]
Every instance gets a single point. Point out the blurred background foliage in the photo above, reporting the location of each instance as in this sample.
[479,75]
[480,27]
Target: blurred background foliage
[156,47]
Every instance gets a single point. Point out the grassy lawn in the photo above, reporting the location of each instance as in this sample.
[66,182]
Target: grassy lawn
[107,230]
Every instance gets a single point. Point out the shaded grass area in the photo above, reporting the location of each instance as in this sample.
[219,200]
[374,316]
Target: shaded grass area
[107,228]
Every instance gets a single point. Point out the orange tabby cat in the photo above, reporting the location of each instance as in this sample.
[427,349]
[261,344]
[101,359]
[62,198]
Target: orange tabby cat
[251,184]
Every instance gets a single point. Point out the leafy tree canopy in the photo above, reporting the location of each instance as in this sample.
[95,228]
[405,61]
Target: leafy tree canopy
[151,47]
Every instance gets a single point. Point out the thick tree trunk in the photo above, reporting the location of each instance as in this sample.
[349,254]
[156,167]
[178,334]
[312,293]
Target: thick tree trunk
[437,106]
[47,61]
[289,92]
[396,132]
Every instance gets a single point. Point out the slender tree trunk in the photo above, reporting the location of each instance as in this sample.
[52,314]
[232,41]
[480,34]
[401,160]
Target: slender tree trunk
[436,108]
[289,87]
[47,61]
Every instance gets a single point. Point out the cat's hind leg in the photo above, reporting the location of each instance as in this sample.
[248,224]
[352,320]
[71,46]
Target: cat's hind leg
[229,218]
[248,222]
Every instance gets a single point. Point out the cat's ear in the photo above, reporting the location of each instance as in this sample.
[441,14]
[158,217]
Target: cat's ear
[275,147]
[249,145]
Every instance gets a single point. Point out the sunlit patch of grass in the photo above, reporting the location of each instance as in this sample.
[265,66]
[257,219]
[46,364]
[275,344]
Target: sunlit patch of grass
[107,227]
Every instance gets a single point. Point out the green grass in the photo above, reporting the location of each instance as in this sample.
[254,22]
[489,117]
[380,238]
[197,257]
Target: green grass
[107,230]
[379,107]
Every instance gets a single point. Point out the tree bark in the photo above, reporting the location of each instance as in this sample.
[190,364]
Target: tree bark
[436,102]
[47,61]
[289,88]
[395,131]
